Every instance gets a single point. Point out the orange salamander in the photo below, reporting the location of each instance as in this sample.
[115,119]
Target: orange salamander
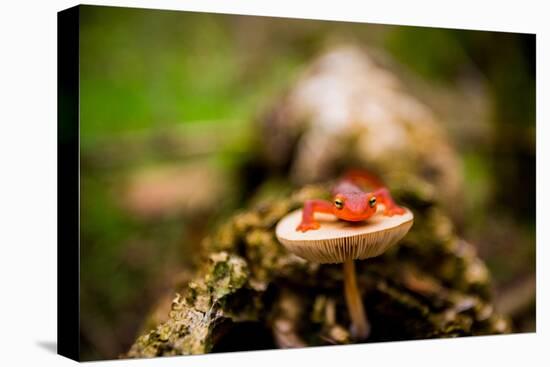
[350,202]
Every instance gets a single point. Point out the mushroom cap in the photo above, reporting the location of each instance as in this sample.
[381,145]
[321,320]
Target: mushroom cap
[337,240]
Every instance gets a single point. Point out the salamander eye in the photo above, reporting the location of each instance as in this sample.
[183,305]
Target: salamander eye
[338,203]
[372,202]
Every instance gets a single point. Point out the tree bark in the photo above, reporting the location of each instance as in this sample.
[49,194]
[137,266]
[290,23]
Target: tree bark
[252,294]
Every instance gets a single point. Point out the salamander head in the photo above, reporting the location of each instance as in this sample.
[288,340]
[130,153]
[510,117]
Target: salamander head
[354,206]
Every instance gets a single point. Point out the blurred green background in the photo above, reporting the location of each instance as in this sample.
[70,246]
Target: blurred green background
[169,102]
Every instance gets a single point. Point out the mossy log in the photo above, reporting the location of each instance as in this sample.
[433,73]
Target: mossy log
[250,293]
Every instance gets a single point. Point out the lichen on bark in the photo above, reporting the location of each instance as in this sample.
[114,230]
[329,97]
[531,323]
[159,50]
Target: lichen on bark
[432,284]
[194,315]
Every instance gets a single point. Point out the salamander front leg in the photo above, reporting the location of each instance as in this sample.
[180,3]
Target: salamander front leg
[391,208]
[310,207]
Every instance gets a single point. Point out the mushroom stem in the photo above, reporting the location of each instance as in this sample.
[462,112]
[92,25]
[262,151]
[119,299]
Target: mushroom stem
[360,325]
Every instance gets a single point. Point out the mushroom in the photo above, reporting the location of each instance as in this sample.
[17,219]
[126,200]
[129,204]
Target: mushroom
[338,241]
